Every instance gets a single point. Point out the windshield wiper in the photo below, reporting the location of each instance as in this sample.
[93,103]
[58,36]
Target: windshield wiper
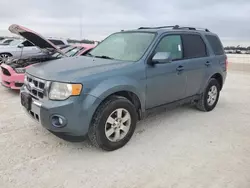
[99,56]
[89,54]
[103,56]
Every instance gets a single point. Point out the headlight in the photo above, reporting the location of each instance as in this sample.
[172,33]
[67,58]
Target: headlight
[25,79]
[62,91]
[20,70]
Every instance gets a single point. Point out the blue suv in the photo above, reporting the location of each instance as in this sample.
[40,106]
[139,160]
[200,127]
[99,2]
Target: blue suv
[127,76]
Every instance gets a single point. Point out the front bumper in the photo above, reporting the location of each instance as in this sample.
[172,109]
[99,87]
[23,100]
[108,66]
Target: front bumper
[14,81]
[77,111]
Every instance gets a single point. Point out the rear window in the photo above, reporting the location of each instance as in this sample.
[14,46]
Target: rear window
[194,46]
[215,44]
[56,42]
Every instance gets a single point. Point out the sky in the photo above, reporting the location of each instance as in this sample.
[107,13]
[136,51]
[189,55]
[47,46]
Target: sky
[96,19]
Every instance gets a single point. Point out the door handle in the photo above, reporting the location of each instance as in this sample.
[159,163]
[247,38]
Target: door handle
[207,63]
[180,68]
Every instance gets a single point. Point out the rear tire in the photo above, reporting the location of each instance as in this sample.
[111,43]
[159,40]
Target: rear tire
[113,123]
[210,96]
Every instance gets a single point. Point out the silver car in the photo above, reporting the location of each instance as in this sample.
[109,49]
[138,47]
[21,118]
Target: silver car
[17,49]
[21,48]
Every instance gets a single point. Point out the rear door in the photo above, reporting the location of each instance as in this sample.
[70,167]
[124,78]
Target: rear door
[196,62]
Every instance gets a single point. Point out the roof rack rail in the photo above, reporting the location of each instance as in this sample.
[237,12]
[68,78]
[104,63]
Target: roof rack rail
[161,27]
[176,27]
[192,28]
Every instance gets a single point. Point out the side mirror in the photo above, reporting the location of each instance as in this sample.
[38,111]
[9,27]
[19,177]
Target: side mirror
[20,46]
[161,58]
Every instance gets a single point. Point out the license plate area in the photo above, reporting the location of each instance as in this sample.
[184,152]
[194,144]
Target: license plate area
[26,100]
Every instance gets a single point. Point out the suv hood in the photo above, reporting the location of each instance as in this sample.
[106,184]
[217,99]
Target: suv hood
[33,37]
[73,69]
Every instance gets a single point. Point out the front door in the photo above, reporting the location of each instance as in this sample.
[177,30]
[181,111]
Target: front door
[166,83]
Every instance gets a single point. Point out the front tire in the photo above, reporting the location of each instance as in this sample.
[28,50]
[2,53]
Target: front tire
[210,97]
[113,123]
[4,57]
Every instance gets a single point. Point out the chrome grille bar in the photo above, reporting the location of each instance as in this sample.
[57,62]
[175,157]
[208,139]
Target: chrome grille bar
[35,86]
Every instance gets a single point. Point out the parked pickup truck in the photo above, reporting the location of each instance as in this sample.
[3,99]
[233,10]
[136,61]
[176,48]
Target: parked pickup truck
[126,77]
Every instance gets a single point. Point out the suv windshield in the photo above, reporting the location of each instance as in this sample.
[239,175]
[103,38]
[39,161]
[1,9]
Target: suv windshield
[125,46]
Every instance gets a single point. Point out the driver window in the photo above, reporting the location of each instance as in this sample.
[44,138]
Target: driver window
[27,43]
[172,44]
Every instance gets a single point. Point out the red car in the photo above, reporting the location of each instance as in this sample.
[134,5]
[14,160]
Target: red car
[12,72]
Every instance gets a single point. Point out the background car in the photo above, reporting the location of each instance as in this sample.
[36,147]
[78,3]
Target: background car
[24,48]
[12,71]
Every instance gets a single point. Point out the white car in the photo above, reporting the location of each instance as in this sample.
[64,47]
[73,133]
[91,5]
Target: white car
[6,41]
[23,48]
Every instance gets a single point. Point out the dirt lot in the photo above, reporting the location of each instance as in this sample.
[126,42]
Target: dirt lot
[183,148]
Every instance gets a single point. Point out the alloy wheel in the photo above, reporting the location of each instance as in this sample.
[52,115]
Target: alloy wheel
[117,125]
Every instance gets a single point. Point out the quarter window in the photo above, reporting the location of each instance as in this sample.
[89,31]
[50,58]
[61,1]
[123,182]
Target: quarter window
[172,44]
[194,46]
[215,44]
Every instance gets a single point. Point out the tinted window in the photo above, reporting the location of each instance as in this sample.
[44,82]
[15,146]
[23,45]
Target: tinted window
[215,44]
[57,42]
[27,43]
[194,46]
[171,44]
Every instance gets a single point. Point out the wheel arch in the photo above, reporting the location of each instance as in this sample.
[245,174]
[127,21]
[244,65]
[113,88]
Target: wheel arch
[219,78]
[130,95]
[6,53]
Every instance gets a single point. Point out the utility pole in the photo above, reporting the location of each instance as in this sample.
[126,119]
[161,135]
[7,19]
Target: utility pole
[80,25]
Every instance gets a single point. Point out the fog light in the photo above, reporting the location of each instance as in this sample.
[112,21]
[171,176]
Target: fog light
[58,121]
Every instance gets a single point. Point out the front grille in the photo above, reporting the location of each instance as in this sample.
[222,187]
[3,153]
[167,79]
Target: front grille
[5,71]
[35,86]
[34,115]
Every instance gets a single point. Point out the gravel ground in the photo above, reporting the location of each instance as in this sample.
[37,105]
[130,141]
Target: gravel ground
[182,148]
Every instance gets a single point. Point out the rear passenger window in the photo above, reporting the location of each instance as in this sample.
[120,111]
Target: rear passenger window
[194,46]
[215,44]
[172,44]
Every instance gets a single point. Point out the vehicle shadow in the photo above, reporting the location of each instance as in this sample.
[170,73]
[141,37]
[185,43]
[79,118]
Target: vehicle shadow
[83,143]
